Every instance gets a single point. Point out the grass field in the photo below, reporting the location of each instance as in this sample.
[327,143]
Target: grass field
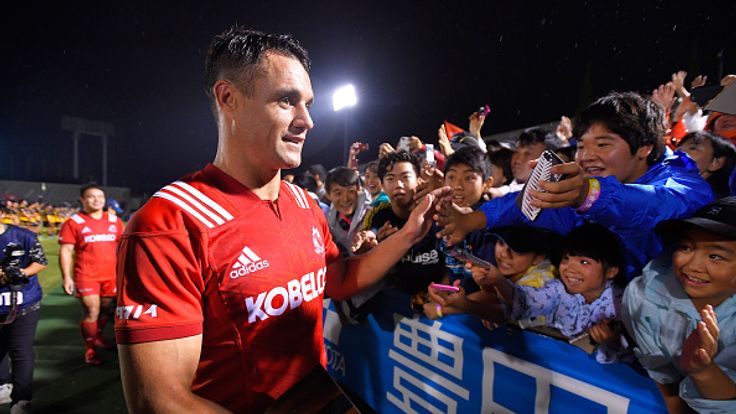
[62,382]
[51,277]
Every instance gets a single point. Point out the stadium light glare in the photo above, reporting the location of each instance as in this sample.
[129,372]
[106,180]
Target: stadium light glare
[344,97]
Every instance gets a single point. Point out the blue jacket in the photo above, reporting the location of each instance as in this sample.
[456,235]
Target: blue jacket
[33,252]
[670,189]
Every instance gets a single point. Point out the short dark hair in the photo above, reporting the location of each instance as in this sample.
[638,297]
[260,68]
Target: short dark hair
[306,181]
[637,120]
[718,180]
[532,136]
[597,242]
[90,186]
[388,161]
[318,170]
[343,176]
[372,166]
[502,159]
[237,53]
[473,157]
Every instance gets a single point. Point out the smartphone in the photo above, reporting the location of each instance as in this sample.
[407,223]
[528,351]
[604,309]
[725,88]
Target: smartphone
[444,288]
[429,154]
[403,144]
[464,255]
[484,110]
[542,172]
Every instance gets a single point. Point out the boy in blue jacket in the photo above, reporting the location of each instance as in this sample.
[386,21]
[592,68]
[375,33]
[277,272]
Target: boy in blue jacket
[621,178]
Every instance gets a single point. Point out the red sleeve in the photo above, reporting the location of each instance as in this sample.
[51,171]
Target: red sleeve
[160,287]
[68,233]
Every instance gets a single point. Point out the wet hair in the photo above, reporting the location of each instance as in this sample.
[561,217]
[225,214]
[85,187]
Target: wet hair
[90,186]
[237,53]
[473,157]
[532,136]
[389,160]
[343,176]
[502,159]
[718,180]
[637,120]
[600,244]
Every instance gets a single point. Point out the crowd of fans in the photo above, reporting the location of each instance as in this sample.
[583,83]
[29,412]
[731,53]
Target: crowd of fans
[635,245]
[40,217]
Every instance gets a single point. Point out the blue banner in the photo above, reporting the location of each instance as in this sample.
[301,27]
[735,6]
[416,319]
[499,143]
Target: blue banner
[401,363]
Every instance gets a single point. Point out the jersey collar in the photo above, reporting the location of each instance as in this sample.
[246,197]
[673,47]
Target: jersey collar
[236,193]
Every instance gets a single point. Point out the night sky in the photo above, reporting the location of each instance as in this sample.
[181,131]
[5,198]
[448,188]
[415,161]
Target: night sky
[139,66]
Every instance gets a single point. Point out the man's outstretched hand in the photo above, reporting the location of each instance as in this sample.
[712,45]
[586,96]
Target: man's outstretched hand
[456,221]
[420,220]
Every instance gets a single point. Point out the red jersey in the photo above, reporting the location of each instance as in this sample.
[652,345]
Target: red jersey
[206,255]
[95,245]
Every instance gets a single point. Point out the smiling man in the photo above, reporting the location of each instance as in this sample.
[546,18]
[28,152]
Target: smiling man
[350,203]
[89,240]
[621,178]
[222,273]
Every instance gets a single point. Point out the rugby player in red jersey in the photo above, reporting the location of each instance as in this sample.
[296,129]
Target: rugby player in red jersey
[90,239]
[221,274]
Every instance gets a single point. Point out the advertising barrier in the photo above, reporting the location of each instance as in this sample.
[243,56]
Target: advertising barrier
[398,362]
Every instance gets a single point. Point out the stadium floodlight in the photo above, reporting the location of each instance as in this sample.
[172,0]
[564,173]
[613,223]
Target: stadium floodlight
[344,97]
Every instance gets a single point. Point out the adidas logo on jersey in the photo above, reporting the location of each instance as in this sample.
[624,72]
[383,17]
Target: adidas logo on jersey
[248,262]
[86,230]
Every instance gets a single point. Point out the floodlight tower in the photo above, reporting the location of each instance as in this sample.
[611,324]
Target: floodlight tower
[79,127]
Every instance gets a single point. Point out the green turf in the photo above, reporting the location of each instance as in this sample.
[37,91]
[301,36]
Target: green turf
[63,383]
[51,277]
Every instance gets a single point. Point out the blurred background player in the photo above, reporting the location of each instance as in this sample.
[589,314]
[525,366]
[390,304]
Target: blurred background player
[91,238]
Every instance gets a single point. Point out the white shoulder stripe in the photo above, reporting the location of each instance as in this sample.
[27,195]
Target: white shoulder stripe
[305,197]
[299,196]
[111,218]
[293,194]
[185,207]
[224,213]
[77,219]
[217,219]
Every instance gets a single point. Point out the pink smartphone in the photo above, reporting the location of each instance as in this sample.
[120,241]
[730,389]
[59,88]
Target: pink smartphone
[444,288]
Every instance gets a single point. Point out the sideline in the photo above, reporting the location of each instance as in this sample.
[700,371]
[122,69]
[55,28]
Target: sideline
[62,382]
